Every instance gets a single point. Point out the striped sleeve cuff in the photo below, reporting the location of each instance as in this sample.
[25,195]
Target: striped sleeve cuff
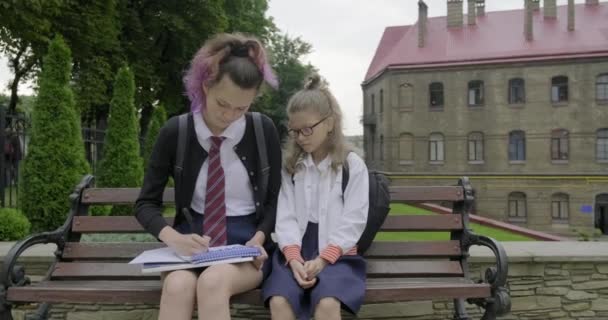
[292,252]
[331,254]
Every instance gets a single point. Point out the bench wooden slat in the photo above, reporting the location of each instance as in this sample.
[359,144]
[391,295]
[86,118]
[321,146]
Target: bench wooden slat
[128,224]
[148,291]
[102,224]
[438,222]
[375,268]
[423,194]
[379,249]
[93,196]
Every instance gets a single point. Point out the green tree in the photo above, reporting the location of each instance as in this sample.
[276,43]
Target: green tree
[286,54]
[121,165]
[158,119]
[25,27]
[249,16]
[55,161]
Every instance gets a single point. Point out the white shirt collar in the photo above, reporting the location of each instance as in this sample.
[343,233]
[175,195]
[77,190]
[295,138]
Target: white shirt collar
[235,131]
[308,162]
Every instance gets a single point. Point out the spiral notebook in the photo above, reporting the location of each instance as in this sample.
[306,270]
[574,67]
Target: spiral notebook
[165,259]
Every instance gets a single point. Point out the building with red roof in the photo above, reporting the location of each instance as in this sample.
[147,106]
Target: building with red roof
[517,100]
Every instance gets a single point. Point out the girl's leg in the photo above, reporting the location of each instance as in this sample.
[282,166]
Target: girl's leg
[218,283]
[177,300]
[328,309]
[280,309]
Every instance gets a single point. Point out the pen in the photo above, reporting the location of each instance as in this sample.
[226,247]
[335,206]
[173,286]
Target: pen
[186,213]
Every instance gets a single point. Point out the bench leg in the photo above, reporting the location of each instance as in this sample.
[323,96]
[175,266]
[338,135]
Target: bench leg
[5,306]
[41,314]
[460,311]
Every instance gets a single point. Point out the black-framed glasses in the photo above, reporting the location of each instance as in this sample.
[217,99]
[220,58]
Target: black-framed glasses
[308,131]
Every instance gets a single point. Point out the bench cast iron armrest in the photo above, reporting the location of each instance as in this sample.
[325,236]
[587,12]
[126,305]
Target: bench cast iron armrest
[500,301]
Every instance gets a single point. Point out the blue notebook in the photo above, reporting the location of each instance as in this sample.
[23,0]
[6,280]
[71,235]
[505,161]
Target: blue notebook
[224,253]
[165,259]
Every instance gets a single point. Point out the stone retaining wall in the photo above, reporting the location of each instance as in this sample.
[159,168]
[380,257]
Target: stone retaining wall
[544,286]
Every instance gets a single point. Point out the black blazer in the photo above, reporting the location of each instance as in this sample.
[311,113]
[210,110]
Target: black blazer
[148,207]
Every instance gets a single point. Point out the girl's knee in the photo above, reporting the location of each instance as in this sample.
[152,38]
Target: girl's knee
[179,283]
[213,283]
[278,303]
[328,306]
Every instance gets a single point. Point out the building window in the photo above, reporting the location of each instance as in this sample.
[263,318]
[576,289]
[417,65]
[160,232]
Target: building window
[517,91]
[601,88]
[517,146]
[601,145]
[560,207]
[381,147]
[381,100]
[373,103]
[559,144]
[517,206]
[372,148]
[476,93]
[475,146]
[406,95]
[406,148]
[436,147]
[559,89]
[436,95]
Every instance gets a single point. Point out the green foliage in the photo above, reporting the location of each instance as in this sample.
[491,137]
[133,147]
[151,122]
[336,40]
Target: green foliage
[14,226]
[55,161]
[285,54]
[158,119]
[121,165]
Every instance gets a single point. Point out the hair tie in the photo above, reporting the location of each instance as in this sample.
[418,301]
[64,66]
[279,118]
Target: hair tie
[240,50]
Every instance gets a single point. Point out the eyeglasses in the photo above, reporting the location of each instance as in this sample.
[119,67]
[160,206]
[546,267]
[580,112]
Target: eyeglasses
[308,131]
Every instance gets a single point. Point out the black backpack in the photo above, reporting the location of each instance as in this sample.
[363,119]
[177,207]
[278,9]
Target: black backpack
[379,206]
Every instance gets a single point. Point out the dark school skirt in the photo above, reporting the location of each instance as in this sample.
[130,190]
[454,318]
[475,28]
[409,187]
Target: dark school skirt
[239,230]
[344,280]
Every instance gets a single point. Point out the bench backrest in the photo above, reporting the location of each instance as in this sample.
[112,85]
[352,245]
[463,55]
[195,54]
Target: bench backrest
[386,259]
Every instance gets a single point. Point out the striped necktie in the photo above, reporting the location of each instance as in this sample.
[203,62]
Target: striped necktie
[214,218]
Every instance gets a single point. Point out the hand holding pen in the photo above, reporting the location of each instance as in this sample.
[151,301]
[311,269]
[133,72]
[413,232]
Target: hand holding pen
[187,244]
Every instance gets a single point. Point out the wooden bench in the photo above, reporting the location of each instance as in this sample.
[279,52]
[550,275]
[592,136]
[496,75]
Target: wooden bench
[398,271]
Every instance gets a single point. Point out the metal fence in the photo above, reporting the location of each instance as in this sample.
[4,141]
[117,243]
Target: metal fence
[15,139]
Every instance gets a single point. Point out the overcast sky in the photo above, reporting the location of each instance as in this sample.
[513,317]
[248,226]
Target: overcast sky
[344,35]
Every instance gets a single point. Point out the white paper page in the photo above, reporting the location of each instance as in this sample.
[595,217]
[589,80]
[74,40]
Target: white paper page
[165,254]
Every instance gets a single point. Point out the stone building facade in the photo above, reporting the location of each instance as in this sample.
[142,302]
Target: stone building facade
[517,100]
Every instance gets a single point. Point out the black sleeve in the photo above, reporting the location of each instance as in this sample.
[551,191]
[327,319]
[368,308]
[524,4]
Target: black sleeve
[149,204]
[273,147]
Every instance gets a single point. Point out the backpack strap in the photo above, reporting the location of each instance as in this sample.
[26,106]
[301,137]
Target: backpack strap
[263,154]
[345,176]
[182,139]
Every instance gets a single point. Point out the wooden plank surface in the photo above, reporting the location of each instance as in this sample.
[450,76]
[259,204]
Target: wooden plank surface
[120,292]
[378,249]
[375,268]
[128,224]
[398,193]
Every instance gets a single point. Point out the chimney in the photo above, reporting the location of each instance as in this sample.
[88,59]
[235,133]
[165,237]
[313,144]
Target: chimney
[592,2]
[480,7]
[471,12]
[570,15]
[528,32]
[455,15]
[550,9]
[536,5]
[422,19]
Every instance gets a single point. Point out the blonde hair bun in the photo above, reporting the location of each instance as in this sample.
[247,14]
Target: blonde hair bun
[313,82]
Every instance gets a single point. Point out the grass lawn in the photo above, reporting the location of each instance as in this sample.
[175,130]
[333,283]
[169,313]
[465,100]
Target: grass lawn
[396,209]
[404,209]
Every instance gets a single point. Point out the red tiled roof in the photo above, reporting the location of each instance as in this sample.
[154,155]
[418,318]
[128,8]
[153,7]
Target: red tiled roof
[497,37]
